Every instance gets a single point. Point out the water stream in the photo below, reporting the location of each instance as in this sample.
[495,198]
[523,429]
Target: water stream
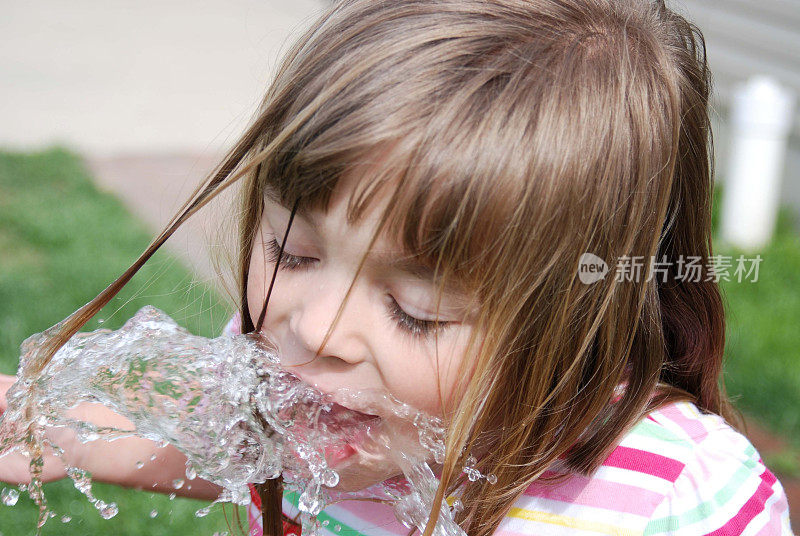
[227,404]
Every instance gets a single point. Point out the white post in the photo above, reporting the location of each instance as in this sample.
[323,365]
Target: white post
[761,119]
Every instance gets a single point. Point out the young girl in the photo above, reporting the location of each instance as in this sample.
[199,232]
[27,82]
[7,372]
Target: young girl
[420,191]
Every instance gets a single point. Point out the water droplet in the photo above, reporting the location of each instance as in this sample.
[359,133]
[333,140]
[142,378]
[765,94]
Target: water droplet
[171,496]
[337,528]
[66,519]
[491,478]
[107,511]
[310,501]
[100,320]
[203,512]
[9,496]
[153,458]
[458,506]
[76,508]
[153,513]
[191,473]
[330,478]
[177,483]
[139,465]
[326,522]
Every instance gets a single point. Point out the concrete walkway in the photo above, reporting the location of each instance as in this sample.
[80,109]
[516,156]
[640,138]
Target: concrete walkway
[153,187]
[120,76]
[151,93]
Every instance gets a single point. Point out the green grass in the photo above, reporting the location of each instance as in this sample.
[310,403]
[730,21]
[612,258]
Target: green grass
[762,368]
[61,242]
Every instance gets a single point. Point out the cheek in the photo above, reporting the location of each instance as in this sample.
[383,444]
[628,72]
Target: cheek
[455,371]
[256,287]
[258,278]
[434,387]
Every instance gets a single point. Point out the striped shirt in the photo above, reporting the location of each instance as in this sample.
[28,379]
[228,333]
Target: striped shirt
[676,472]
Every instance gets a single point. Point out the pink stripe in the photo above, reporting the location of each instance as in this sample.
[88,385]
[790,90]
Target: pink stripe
[775,522]
[234,325]
[365,513]
[237,323]
[645,462]
[254,521]
[599,494]
[751,508]
[254,498]
[693,427]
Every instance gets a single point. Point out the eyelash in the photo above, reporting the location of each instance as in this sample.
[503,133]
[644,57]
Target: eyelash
[288,261]
[407,323]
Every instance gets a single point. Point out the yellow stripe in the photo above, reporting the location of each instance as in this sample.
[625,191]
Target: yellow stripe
[571,522]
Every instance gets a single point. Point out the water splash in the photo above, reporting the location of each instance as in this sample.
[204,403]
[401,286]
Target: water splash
[9,496]
[473,474]
[231,409]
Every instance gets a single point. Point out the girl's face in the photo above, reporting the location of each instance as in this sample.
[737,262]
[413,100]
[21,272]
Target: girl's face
[384,339]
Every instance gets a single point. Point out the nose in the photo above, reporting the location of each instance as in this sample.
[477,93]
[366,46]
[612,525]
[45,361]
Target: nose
[314,312]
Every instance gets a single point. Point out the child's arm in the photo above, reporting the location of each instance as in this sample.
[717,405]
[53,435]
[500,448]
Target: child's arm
[114,462]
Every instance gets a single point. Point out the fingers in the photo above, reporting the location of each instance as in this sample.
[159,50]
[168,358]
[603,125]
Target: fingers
[6,382]
[15,469]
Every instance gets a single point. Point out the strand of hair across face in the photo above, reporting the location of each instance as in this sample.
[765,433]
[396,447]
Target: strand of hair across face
[271,491]
[263,313]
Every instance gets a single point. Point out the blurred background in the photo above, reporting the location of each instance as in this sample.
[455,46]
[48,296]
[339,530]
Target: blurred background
[111,112]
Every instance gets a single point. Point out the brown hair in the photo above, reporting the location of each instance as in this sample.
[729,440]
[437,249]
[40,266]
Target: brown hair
[516,135]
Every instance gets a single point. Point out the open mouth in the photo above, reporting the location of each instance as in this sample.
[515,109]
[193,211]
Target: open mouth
[344,421]
[316,419]
[351,425]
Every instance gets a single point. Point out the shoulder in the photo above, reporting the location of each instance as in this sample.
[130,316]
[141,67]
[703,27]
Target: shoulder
[724,487]
[677,471]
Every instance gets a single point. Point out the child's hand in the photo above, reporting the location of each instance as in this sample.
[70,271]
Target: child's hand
[14,467]
[6,381]
[116,462]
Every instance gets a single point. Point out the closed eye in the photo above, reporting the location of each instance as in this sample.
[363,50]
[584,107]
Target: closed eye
[411,325]
[287,260]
